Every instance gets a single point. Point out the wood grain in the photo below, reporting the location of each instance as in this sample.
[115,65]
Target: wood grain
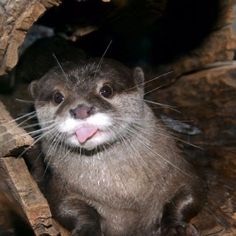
[16,17]
[26,192]
[12,136]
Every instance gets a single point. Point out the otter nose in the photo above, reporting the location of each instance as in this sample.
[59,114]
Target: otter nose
[82,112]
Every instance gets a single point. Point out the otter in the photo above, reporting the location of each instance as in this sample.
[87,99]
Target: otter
[112,167]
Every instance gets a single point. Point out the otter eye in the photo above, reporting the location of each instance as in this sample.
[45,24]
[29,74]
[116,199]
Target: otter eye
[58,97]
[106,91]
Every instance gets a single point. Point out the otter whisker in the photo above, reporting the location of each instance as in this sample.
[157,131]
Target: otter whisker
[138,159]
[60,66]
[24,101]
[168,134]
[36,140]
[27,119]
[20,117]
[157,103]
[20,135]
[161,104]
[155,153]
[153,90]
[163,132]
[41,129]
[102,57]
[54,140]
[52,148]
[37,124]
[151,80]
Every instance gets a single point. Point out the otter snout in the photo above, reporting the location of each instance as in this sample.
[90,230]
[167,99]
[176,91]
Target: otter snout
[82,111]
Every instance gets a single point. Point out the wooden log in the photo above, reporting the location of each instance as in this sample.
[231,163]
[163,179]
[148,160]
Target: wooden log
[25,191]
[206,100]
[15,176]
[218,46]
[12,137]
[16,17]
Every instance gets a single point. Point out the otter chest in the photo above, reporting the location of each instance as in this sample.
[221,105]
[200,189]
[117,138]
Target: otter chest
[108,183]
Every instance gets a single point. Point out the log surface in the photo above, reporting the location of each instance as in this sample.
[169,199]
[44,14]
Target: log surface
[17,183]
[26,192]
[16,17]
[12,136]
[206,105]
[218,46]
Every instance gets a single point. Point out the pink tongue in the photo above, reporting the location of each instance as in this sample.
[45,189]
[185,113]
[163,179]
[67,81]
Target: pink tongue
[84,133]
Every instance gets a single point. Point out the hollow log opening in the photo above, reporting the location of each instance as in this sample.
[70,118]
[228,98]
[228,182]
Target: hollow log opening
[142,32]
[193,40]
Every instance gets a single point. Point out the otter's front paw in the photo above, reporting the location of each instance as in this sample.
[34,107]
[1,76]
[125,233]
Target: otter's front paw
[86,231]
[180,230]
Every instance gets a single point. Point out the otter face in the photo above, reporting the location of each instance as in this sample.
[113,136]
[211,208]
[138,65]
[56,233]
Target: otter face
[88,105]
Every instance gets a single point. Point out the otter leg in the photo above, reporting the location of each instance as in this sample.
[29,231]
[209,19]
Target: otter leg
[80,218]
[184,206]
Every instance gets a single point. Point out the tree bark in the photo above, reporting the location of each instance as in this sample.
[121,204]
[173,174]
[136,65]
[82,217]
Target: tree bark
[26,193]
[218,46]
[19,184]
[16,17]
[12,136]
[206,105]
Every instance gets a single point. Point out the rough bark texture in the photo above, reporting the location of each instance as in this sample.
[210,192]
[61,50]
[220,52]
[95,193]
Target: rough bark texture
[17,183]
[206,100]
[16,17]
[25,191]
[218,46]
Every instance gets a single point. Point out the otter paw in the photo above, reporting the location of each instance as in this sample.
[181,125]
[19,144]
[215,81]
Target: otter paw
[180,230]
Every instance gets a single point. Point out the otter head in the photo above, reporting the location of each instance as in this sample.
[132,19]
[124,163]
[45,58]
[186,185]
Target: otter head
[88,105]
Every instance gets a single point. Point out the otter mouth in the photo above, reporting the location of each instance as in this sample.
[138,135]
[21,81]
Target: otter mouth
[85,133]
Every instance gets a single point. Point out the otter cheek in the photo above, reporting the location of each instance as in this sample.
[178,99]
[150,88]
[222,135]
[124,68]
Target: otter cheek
[84,133]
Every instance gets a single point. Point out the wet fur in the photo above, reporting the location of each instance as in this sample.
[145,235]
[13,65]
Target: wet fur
[135,184]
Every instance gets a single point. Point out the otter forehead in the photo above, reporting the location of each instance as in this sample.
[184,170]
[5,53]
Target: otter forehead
[89,74]
[85,79]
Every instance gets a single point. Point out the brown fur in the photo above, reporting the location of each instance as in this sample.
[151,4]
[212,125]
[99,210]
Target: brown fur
[138,184]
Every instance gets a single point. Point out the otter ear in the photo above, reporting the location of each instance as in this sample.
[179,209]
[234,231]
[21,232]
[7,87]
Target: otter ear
[138,75]
[33,89]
